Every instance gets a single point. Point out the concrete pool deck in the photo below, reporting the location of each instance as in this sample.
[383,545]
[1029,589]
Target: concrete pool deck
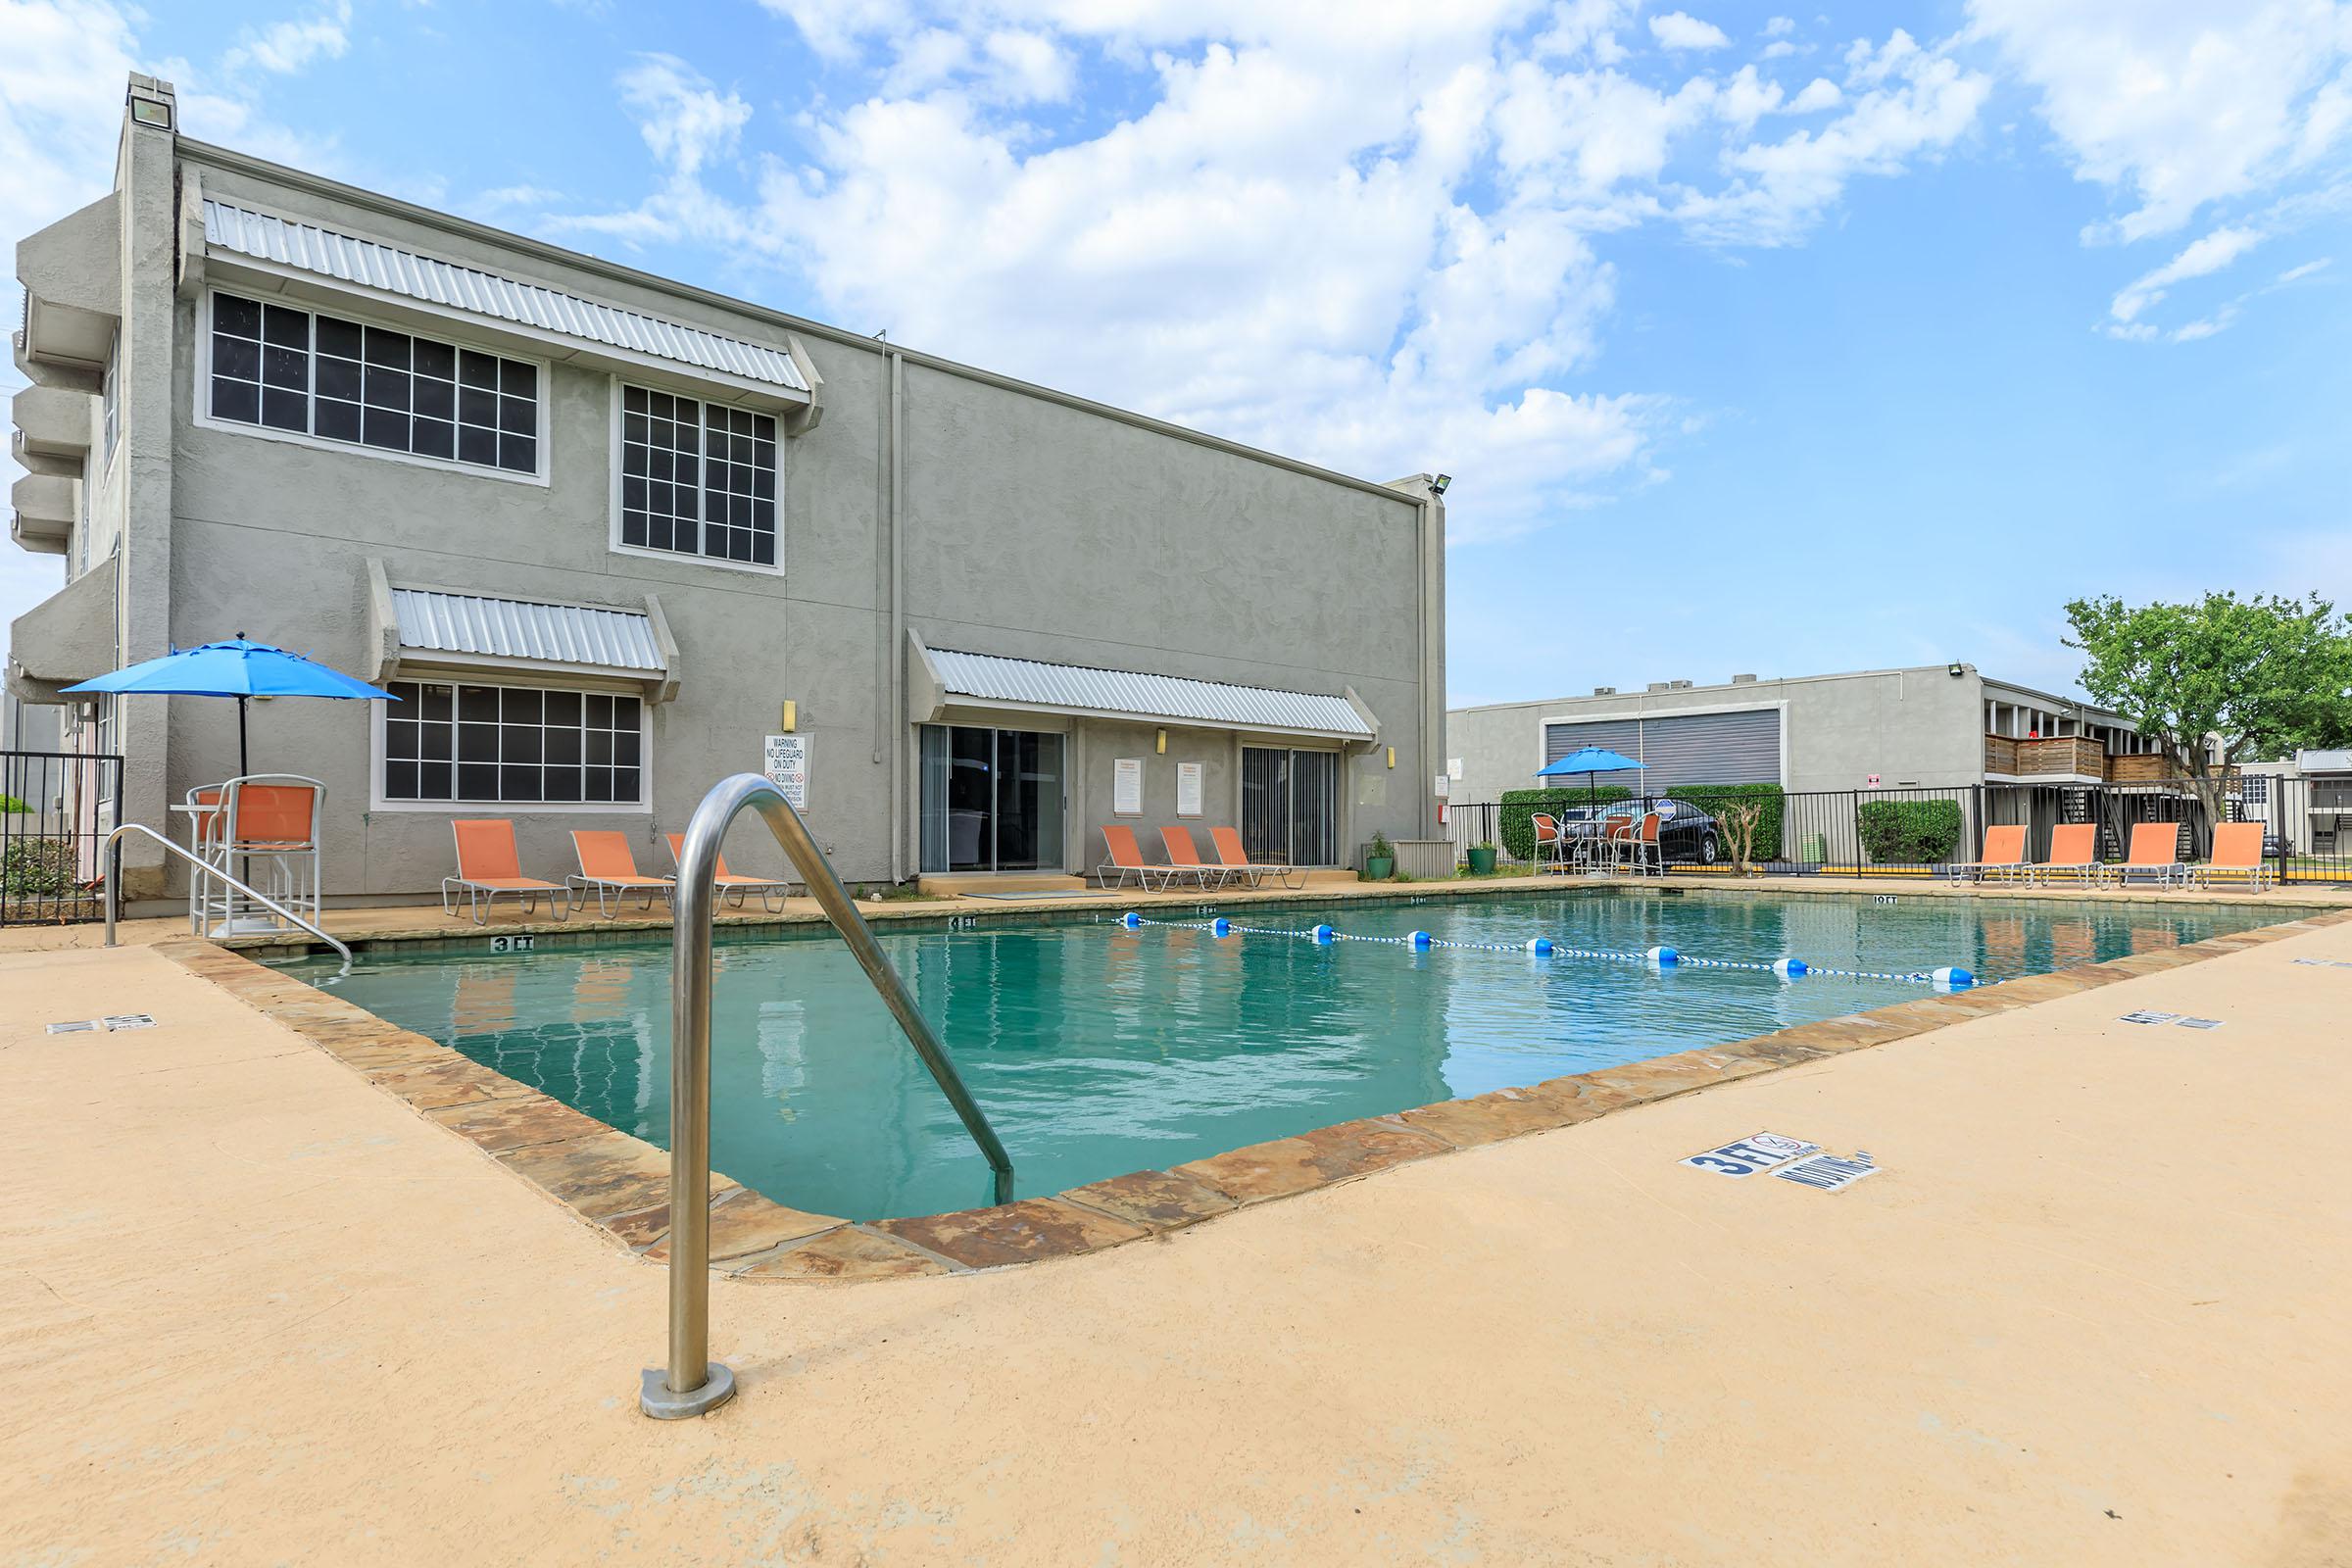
[2089,1311]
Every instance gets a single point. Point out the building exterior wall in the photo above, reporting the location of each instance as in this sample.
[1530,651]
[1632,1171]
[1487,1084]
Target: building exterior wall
[1919,726]
[978,513]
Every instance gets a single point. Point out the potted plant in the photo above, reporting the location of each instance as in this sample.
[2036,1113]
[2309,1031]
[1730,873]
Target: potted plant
[1380,858]
[1481,860]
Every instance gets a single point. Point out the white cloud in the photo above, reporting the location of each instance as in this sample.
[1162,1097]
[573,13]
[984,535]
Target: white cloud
[1902,101]
[1678,29]
[1819,94]
[2176,104]
[284,47]
[2201,258]
[2294,273]
[1778,27]
[1376,280]
[682,116]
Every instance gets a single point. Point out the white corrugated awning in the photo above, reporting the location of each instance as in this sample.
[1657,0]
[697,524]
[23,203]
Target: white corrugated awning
[307,248]
[1029,683]
[465,625]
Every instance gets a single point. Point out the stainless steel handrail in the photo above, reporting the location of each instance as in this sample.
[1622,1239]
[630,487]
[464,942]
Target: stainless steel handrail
[692,1383]
[114,887]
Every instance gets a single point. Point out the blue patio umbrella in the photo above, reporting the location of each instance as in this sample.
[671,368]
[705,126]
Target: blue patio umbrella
[233,668]
[1588,760]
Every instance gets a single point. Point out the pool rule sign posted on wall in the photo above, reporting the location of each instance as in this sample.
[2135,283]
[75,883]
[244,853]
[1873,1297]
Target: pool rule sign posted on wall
[785,762]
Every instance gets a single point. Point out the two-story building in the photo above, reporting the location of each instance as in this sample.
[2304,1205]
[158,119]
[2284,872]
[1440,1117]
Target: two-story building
[605,535]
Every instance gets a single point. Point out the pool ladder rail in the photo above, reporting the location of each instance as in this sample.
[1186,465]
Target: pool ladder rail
[693,1384]
[111,856]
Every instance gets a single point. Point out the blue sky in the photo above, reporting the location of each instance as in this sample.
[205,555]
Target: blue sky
[1757,337]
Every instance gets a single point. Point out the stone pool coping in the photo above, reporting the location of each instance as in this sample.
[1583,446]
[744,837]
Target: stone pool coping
[619,1184]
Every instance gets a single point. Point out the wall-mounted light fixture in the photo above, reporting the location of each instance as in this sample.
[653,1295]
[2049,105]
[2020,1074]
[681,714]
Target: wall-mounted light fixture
[1437,486]
[1392,757]
[789,719]
[1159,742]
[1955,670]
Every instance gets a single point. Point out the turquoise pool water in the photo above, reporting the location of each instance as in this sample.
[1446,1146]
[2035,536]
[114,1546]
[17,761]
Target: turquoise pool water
[1097,1049]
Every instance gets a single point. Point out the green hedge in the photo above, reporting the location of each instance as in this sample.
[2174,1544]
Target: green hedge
[1519,808]
[1908,832]
[10,804]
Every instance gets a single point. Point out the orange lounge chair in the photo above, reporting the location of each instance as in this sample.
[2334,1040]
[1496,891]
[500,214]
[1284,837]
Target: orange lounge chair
[1128,862]
[1183,859]
[2074,847]
[2156,852]
[488,866]
[732,887]
[1236,860]
[610,870]
[2236,851]
[2004,851]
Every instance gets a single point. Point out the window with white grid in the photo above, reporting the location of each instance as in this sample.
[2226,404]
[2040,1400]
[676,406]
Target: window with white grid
[696,479]
[511,745]
[341,381]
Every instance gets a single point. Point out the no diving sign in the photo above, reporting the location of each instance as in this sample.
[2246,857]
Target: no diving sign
[786,763]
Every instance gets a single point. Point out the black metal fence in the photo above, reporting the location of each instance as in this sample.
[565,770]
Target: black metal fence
[56,809]
[1921,832]
[2307,825]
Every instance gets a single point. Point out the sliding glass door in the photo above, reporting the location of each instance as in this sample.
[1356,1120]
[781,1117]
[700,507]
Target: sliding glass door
[992,798]
[1290,805]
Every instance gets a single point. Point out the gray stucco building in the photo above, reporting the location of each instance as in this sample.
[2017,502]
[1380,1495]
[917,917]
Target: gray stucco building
[1931,726]
[606,534]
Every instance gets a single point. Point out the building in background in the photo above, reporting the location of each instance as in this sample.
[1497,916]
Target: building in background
[1929,726]
[605,535]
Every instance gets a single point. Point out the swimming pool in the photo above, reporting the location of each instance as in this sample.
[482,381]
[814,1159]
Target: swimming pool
[1097,1049]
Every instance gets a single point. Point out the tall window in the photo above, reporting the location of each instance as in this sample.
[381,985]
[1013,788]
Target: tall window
[109,399]
[315,374]
[696,479]
[1290,805]
[990,800]
[446,741]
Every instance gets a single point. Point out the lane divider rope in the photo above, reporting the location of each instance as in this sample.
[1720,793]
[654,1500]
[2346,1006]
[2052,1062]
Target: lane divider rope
[1950,977]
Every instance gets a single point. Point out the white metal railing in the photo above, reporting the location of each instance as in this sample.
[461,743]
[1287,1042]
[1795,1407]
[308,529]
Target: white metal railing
[693,1384]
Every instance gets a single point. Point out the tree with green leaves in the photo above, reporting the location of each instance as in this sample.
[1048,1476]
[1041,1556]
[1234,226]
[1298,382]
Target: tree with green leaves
[2254,677]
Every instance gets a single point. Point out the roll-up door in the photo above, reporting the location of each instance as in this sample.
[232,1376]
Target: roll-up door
[1615,734]
[1742,747]
[1679,748]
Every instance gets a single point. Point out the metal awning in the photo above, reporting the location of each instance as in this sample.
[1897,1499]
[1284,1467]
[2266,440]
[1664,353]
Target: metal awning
[443,628]
[515,628]
[1032,685]
[368,265]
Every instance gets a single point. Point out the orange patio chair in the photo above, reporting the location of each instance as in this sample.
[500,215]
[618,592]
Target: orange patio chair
[1549,845]
[2236,853]
[1236,860]
[2156,853]
[487,867]
[1127,860]
[1183,859]
[733,888]
[2004,856]
[2073,848]
[610,870]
